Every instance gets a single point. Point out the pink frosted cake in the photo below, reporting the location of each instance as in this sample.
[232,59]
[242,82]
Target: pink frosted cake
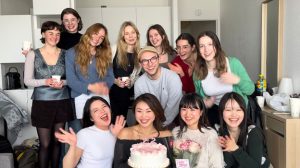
[148,155]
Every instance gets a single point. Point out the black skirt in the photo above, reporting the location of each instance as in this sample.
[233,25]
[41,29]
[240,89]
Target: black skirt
[44,114]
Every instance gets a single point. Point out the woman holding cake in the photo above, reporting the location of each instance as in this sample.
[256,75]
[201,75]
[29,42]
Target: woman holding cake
[149,115]
[94,144]
[193,125]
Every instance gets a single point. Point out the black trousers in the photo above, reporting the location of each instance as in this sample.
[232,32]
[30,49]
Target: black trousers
[120,101]
[213,115]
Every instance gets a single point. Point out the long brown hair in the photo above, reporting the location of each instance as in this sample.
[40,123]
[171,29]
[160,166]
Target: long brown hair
[201,70]
[122,59]
[103,51]
[165,44]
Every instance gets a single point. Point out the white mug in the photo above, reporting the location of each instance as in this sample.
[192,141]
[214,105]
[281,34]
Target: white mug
[260,101]
[295,107]
[56,78]
[26,45]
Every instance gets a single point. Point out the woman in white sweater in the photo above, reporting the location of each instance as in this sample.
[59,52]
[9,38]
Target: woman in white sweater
[194,126]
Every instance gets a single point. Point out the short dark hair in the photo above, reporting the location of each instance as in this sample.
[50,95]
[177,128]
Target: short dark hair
[155,106]
[188,37]
[87,110]
[73,12]
[49,25]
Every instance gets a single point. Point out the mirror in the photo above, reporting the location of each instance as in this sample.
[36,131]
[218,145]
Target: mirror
[272,40]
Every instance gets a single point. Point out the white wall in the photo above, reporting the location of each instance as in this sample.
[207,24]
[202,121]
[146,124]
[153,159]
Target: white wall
[291,46]
[241,32]
[120,3]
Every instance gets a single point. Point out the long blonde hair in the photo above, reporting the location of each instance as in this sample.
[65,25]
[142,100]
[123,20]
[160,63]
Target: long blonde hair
[103,51]
[122,59]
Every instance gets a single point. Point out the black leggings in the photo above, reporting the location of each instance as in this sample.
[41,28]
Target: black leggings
[49,146]
[213,115]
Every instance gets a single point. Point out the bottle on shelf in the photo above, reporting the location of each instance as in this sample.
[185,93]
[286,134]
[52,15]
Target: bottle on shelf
[261,84]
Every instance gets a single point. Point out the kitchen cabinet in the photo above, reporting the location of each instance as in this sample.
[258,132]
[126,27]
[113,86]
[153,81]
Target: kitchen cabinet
[14,30]
[282,137]
[46,7]
[142,17]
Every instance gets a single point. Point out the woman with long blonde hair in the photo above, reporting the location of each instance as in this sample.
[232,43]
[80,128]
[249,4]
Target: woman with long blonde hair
[126,68]
[88,64]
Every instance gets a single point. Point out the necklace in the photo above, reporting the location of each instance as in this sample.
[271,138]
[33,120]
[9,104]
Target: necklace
[146,135]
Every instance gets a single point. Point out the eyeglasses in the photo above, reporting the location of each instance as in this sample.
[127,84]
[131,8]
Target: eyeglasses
[146,61]
[74,20]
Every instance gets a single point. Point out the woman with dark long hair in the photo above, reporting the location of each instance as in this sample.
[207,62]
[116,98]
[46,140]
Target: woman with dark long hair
[149,116]
[242,142]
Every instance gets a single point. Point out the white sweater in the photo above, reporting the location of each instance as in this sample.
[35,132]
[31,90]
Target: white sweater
[211,155]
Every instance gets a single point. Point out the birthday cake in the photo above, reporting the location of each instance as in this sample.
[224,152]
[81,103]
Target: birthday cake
[148,155]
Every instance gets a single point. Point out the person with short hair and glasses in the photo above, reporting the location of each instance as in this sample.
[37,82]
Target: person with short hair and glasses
[159,81]
[71,23]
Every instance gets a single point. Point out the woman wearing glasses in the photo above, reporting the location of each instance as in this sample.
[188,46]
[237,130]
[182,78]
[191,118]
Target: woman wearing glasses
[126,69]
[71,24]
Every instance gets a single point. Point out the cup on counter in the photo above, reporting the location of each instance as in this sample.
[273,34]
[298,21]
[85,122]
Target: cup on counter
[26,45]
[56,78]
[260,101]
[295,107]
[124,78]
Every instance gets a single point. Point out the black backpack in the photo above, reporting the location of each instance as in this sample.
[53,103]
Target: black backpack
[13,80]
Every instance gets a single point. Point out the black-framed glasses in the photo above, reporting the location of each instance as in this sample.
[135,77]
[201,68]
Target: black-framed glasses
[146,61]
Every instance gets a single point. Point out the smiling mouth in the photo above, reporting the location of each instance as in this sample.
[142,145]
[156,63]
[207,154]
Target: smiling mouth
[104,117]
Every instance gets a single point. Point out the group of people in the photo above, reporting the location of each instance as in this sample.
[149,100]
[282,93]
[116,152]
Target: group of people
[194,91]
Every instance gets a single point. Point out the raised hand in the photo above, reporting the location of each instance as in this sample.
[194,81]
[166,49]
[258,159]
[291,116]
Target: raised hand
[118,126]
[209,101]
[227,143]
[176,68]
[229,78]
[66,137]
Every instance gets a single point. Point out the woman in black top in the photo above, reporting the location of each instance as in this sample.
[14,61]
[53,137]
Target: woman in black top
[71,24]
[149,116]
[125,64]
[243,144]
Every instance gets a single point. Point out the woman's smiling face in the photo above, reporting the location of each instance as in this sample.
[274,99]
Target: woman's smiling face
[144,115]
[100,114]
[233,114]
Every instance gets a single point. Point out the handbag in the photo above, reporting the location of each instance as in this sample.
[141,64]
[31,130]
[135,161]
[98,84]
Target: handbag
[13,80]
